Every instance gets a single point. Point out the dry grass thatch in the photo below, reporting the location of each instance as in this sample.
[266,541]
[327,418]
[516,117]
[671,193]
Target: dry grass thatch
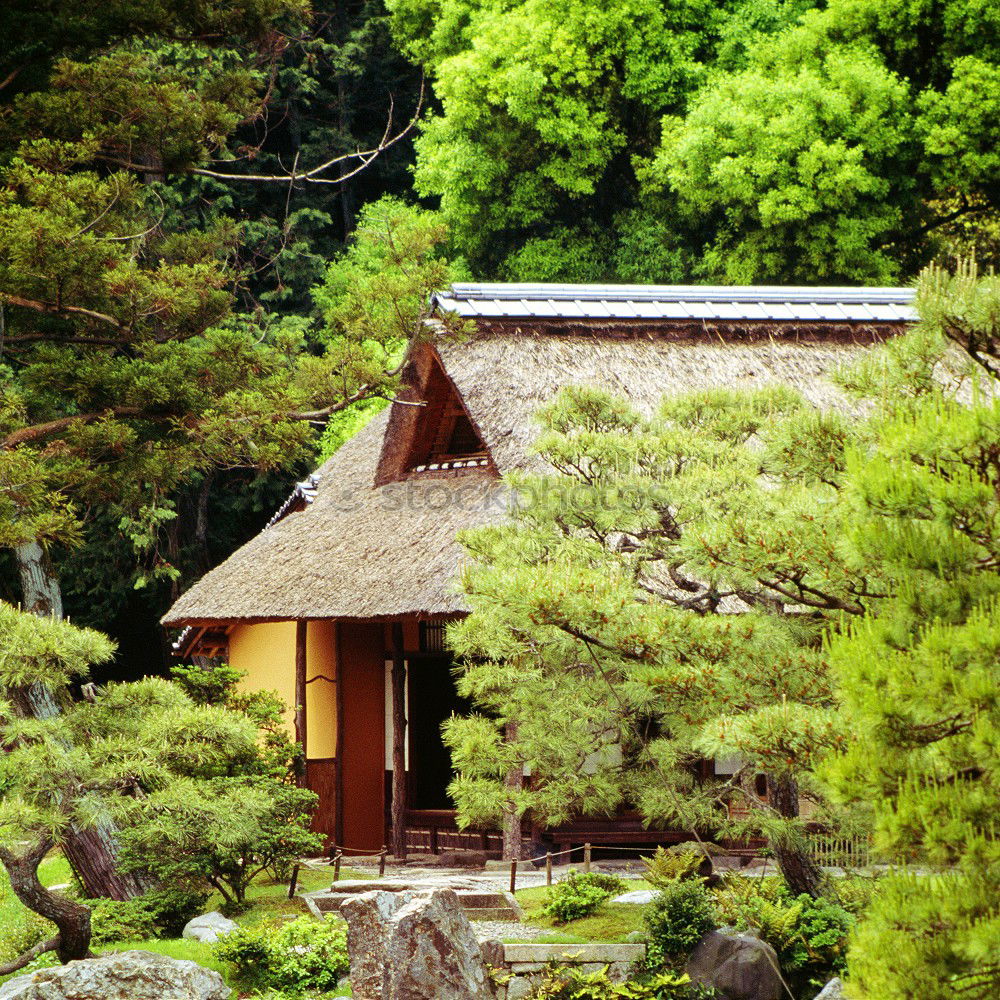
[361,552]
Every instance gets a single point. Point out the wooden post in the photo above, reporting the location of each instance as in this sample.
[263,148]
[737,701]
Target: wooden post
[293,882]
[381,862]
[513,875]
[399,791]
[586,857]
[548,868]
[301,627]
[336,866]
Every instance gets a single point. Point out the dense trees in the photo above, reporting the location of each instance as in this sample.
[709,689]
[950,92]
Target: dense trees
[143,380]
[742,141]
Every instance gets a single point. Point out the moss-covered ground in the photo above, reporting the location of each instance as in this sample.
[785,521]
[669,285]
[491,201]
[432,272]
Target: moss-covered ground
[612,922]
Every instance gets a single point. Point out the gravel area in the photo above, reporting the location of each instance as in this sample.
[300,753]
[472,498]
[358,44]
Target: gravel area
[500,929]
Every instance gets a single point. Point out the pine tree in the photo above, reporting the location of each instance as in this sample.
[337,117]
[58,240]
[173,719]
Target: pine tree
[600,628]
[131,760]
[920,676]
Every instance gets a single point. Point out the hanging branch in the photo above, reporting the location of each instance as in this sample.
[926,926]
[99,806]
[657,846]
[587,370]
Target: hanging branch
[363,158]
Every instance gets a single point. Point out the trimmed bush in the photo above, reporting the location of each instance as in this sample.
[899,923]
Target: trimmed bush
[162,913]
[579,895]
[676,921]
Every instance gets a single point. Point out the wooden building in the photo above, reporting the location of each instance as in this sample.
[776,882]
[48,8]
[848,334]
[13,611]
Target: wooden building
[359,566]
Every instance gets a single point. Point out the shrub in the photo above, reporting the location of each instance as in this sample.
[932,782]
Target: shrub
[112,921]
[303,954]
[675,921]
[562,983]
[171,909]
[579,895]
[162,913]
[220,833]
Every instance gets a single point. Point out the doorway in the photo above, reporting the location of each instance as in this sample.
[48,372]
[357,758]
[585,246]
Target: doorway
[432,700]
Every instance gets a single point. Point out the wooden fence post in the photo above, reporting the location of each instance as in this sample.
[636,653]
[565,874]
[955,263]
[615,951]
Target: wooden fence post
[548,868]
[381,862]
[293,882]
[586,857]
[513,875]
[336,865]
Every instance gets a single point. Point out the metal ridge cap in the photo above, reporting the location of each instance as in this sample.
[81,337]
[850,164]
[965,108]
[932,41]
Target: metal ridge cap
[470,291]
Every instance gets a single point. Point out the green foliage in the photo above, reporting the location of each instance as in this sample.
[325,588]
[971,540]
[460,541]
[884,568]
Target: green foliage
[542,105]
[676,920]
[624,640]
[815,176]
[938,930]
[220,833]
[809,935]
[143,386]
[162,913]
[743,141]
[663,868]
[565,983]
[46,651]
[580,894]
[194,787]
[301,955]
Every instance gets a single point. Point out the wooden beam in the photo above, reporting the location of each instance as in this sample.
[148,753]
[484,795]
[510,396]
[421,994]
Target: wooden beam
[398,742]
[301,632]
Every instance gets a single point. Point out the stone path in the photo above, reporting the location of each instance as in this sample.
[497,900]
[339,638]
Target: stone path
[500,929]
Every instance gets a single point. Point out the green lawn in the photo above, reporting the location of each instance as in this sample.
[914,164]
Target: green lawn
[611,922]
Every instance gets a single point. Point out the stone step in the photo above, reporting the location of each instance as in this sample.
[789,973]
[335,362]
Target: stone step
[479,903]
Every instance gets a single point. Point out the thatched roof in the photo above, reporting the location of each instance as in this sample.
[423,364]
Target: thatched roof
[354,552]
[505,378]
[361,551]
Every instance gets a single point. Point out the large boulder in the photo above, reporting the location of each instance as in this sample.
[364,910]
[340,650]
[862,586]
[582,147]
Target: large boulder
[368,916]
[739,966]
[209,927]
[123,975]
[834,990]
[413,945]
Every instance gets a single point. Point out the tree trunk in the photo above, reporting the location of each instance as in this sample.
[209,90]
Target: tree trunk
[92,852]
[399,790]
[202,558]
[72,919]
[797,867]
[40,593]
[514,781]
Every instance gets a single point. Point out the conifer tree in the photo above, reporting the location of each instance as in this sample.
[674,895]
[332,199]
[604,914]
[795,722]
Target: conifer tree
[602,626]
[919,677]
[134,760]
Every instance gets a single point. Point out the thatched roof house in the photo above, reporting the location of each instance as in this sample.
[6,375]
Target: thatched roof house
[369,539]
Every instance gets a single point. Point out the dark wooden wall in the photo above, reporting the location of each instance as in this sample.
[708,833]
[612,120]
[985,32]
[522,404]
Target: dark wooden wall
[361,672]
